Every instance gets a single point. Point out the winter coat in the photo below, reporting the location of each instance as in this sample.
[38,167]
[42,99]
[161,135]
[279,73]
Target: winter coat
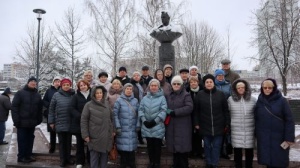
[96,123]
[123,80]
[178,131]
[127,120]
[113,95]
[27,107]
[231,76]
[271,131]
[59,110]
[242,117]
[77,103]
[144,82]
[47,98]
[138,91]
[224,86]
[211,112]
[5,106]
[153,107]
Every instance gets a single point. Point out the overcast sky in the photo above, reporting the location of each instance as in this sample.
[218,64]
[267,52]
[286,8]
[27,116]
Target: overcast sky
[16,15]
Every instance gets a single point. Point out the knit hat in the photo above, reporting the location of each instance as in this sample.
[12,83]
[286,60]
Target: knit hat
[7,91]
[136,72]
[184,70]
[167,66]
[193,67]
[208,76]
[102,74]
[127,85]
[177,79]
[65,80]
[154,80]
[219,72]
[31,79]
[56,78]
[122,69]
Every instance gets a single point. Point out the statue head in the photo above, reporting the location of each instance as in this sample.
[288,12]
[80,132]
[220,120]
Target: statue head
[165,18]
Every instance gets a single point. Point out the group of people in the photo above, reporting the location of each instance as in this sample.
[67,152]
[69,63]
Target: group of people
[185,109]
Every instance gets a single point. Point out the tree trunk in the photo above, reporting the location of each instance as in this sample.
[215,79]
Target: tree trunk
[284,84]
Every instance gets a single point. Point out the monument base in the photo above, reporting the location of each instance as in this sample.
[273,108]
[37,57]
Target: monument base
[166,55]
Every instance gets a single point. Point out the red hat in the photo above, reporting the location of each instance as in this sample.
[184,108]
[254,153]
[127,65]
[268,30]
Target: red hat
[65,80]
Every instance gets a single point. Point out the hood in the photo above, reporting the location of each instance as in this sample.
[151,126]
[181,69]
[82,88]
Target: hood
[234,93]
[94,91]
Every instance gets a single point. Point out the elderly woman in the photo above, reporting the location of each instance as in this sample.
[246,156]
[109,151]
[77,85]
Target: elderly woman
[78,101]
[152,112]
[59,118]
[166,87]
[241,106]
[126,124]
[211,119]
[114,92]
[97,128]
[274,126]
[179,132]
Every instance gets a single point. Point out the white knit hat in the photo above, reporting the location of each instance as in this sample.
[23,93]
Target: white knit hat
[177,79]
[193,67]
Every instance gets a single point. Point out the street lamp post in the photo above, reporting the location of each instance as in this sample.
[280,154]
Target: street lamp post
[39,13]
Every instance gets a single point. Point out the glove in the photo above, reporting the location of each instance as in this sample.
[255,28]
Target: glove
[118,131]
[172,114]
[169,111]
[226,129]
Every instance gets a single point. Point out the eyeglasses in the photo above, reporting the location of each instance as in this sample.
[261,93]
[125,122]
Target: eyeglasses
[176,84]
[269,88]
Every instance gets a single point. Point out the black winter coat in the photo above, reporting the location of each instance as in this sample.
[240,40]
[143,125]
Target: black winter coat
[27,107]
[47,98]
[77,103]
[211,112]
[124,80]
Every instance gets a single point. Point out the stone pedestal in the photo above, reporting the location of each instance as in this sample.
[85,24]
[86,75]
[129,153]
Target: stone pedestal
[166,55]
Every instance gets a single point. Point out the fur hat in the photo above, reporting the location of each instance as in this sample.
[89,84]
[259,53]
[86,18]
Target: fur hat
[177,79]
[219,72]
[65,80]
[208,76]
[31,79]
[167,66]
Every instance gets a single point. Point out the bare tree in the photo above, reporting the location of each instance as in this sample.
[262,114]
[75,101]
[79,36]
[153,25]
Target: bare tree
[70,37]
[26,53]
[111,30]
[277,33]
[201,46]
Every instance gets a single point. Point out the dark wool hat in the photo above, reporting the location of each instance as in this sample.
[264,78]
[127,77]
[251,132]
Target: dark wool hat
[103,74]
[209,76]
[184,70]
[7,91]
[122,69]
[145,68]
[31,79]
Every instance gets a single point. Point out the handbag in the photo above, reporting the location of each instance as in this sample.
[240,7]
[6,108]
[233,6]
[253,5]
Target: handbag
[113,153]
[273,114]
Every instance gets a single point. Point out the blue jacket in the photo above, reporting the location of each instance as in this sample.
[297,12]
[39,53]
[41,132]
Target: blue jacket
[153,107]
[224,86]
[272,131]
[127,120]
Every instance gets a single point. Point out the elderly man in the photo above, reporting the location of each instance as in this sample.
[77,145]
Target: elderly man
[26,111]
[5,106]
[122,76]
[145,78]
[230,75]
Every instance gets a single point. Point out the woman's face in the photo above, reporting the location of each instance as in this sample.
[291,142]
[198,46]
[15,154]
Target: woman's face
[83,87]
[154,87]
[98,94]
[103,79]
[209,84]
[159,75]
[240,89]
[116,86]
[88,77]
[194,84]
[136,77]
[56,83]
[128,91]
[267,87]
[193,72]
[65,87]
[176,86]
